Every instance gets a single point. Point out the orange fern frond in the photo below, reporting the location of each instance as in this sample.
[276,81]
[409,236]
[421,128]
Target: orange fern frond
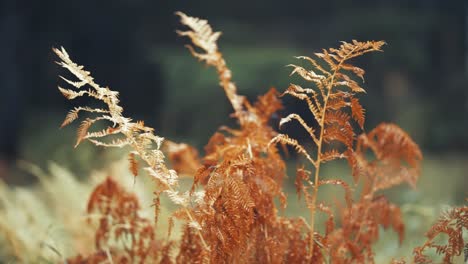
[398,156]
[83,130]
[184,158]
[334,92]
[230,214]
[332,155]
[285,139]
[118,215]
[346,188]
[452,223]
[133,164]
[267,105]
[358,112]
[330,223]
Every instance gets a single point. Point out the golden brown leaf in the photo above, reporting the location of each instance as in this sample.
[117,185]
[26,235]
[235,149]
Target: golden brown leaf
[358,112]
[133,164]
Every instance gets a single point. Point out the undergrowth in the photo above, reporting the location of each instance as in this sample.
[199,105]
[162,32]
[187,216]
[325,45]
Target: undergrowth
[230,214]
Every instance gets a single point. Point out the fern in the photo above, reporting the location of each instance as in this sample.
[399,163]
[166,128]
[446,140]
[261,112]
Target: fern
[203,37]
[134,134]
[230,214]
[452,223]
[335,91]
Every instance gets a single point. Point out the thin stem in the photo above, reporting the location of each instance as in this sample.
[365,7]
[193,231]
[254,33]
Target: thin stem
[317,172]
[229,87]
[318,161]
[169,187]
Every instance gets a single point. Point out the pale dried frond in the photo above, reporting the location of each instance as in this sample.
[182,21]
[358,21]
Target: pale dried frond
[203,37]
[282,138]
[180,199]
[141,139]
[308,75]
[301,121]
[136,134]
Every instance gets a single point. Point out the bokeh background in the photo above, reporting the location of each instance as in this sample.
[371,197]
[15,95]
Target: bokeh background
[420,82]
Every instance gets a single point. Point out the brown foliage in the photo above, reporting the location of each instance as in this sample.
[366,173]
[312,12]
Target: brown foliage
[122,236]
[452,223]
[335,92]
[184,158]
[230,213]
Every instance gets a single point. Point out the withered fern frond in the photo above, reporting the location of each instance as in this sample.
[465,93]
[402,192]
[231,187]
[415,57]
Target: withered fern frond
[334,92]
[145,144]
[241,176]
[451,223]
[203,37]
[230,213]
[397,158]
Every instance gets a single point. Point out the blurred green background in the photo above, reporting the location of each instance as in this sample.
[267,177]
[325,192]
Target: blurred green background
[420,82]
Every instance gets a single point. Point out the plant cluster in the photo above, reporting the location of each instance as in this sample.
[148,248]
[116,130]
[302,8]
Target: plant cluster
[230,213]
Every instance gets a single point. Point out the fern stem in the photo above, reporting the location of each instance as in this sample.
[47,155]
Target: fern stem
[317,173]
[318,161]
[205,245]
[189,215]
[169,187]
[229,87]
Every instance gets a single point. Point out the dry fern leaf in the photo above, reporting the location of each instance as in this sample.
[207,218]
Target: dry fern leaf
[285,139]
[344,135]
[118,214]
[145,144]
[360,224]
[337,117]
[346,188]
[328,103]
[452,223]
[184,158]
[301,121]
[267,105]
[203,37]
[332,155]
[83,130]
[330,222]
[133,164]
[358,112]
[398,157]
[135,134]
[334,92]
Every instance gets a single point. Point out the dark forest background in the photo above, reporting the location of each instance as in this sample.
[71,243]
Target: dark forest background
[419,82]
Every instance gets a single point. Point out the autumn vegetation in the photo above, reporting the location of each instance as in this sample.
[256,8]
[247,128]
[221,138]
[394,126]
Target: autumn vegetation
[231,213]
